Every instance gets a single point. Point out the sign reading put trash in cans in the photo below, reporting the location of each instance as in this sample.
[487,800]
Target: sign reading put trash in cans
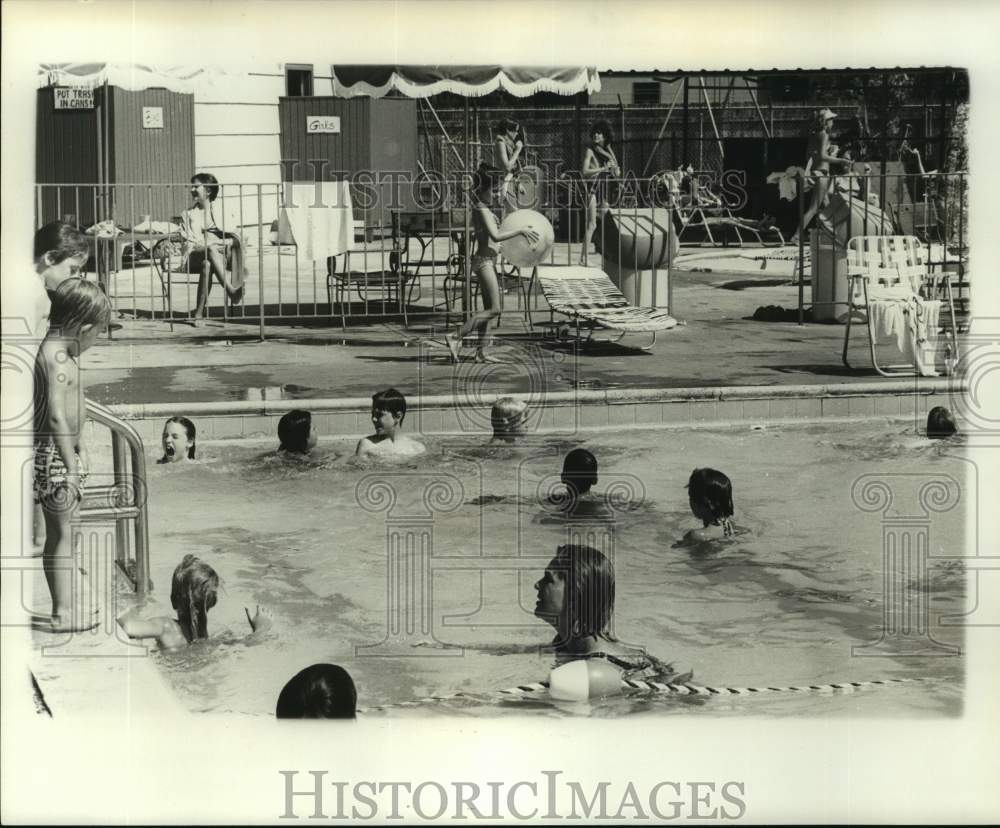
[69,97]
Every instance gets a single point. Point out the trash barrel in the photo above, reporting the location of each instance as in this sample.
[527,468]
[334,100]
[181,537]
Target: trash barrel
[829,278]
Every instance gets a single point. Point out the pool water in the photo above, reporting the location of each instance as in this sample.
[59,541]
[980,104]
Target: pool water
[781,604]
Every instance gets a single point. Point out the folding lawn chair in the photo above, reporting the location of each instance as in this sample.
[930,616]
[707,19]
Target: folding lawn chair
[590,299]
[888,278]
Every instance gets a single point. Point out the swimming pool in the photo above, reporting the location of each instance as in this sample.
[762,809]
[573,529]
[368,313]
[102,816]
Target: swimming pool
[783,604]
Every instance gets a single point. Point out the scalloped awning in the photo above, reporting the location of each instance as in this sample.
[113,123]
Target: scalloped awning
[468,81]
[187,79]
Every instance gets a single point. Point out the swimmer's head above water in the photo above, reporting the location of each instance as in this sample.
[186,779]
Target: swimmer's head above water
[178,440]
[388,411]
[710,494]
[193,592]
[579,472]
[576,595]
[508,418]
[297,432]
[940,423]
[322,691]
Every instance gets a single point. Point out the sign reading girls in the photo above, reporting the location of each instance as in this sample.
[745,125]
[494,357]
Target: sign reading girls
[322,123]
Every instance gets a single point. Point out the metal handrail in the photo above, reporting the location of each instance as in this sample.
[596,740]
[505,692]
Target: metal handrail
[128,488]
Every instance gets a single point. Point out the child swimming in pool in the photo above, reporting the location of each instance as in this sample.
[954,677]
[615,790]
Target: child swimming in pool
[710,494]
[193,593]
[940,424]
[388,413]
[297,433]
[579,476]
[178,440]
[322,691]
[576,595]
[509,417]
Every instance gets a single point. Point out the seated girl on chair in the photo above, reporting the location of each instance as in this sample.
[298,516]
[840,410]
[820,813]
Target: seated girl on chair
[203,235]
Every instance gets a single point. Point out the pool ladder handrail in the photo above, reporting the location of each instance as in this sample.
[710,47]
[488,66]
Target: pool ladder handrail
[123,436]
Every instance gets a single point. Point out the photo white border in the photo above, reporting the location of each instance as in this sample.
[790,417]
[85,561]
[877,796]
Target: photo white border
[225,769]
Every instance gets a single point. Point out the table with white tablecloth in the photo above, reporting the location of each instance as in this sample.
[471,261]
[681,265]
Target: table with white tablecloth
[318,219]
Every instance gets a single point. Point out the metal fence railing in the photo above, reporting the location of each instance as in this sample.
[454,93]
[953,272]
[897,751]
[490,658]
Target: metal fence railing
[400,252]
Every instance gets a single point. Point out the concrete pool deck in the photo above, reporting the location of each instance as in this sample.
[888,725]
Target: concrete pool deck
[718,344]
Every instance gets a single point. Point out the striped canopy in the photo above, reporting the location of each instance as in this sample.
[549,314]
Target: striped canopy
[468,81]
[131,76]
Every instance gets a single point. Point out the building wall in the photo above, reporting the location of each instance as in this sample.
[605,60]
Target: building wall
[236,138]
[156,156]
[614,84]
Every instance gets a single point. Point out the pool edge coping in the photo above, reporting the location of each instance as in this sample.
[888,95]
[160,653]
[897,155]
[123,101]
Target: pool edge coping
[917,386]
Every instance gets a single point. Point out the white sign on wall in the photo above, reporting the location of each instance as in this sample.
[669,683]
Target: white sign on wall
[69,97]
[322,123]
[152,117]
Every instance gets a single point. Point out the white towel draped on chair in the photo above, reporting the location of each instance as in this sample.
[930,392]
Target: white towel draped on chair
[321,231]
[911,321]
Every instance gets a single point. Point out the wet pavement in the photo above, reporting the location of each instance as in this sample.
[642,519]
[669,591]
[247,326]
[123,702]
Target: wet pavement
[718,343]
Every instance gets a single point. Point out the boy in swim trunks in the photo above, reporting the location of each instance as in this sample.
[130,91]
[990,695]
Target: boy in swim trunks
[388,412]
[80,312]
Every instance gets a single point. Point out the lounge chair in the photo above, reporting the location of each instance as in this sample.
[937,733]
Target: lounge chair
[591,300]
[888,278]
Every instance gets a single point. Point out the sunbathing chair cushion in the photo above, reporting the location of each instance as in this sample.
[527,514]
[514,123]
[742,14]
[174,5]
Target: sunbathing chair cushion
[588,293]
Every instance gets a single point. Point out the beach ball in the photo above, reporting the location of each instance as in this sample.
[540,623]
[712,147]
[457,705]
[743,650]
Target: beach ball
[518,250]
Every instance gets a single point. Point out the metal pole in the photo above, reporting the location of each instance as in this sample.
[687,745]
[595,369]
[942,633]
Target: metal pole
[663,129]
[467,292]
[684,127]
[801,235]
[260,261]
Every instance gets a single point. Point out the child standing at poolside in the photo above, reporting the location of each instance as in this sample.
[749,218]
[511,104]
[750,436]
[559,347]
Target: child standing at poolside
[487,233]
[80,312]
[193,592]
[388,413]
[710,494]
[61,253]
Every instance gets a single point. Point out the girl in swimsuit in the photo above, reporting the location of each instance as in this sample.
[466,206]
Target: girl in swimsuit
[576,596]
[487,233]
[818,164]
[599,164]
[509,146]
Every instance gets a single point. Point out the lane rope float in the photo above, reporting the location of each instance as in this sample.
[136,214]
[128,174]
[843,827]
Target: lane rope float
[660,688]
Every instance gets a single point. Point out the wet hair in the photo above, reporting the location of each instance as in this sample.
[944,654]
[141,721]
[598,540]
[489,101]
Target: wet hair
[940,423]
[485,177]
[604,128]
[580,470]
[506,125]
[322,691]
[77,302]
[507,412]
[392,401]
[713,490]
[211,184]
[293,431]
[589,605]
[61,241]
[189,429]
[193,593]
